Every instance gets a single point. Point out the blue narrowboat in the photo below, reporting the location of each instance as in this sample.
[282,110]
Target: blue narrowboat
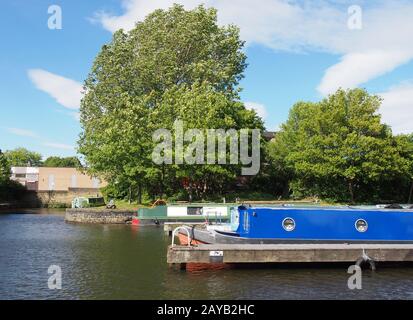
[311,225]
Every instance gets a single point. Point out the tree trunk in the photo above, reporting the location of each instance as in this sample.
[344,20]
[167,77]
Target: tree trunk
[410,194]
[286,191]
[190,191]
[139,193]
[162,180]
[130,194]
[351,191]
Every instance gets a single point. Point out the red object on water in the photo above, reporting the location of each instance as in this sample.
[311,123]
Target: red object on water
[135,221]
[193,267]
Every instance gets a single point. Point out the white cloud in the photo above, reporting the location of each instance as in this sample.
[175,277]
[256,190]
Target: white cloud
[58,145]
[397,108]
[31,134]
[358,68]
[22,132]
[65,91]
[137,10]
[383,44]
[278,24]
[258,107]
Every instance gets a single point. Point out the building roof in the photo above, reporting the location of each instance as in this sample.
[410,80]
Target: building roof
[268,135]
[23,170]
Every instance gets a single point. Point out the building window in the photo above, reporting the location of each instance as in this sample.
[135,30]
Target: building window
[73,183]
[95,183]
[20,175]
[51,182]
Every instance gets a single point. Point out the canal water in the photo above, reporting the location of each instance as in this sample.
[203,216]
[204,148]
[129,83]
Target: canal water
[129,262]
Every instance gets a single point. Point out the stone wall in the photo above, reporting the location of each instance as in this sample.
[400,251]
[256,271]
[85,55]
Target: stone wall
[38,199]
[49,198]
[99,216]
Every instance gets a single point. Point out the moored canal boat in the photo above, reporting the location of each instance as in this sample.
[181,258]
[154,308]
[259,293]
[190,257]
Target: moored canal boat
[262,225]
[185,212]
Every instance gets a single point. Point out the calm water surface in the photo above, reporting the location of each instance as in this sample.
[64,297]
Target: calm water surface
[127,262]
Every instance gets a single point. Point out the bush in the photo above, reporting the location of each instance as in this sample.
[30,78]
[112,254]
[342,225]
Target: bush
[56,205]
[114,192]
[11,191]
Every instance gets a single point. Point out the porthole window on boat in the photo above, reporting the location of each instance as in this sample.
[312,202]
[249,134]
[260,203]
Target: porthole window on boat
[288,224]
[361,225]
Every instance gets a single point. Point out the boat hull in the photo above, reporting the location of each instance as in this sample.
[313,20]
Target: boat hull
[201,236]
[327,225]
[262,225]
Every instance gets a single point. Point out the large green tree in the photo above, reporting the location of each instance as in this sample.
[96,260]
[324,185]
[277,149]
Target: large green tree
[405,146]
[202,108]
[338,148]
[147,78]
[21,157]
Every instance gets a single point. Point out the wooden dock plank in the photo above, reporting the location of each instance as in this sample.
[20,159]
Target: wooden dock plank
[281,253]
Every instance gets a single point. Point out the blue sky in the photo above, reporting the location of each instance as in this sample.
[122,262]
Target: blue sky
[297,50]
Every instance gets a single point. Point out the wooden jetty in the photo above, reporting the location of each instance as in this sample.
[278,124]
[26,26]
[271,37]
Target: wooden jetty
[289,253]
[169,227]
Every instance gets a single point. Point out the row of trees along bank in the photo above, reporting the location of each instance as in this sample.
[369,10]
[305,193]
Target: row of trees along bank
[10,191]
[21,157]
[338,149]
[179,64]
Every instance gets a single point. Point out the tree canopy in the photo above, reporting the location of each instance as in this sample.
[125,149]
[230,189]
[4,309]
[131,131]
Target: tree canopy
[176,64]
[62,162]
[338,148]
[181,65]
[21,157]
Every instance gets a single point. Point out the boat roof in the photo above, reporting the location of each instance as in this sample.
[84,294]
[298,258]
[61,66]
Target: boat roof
[206,204]
[406,208]
[309,206]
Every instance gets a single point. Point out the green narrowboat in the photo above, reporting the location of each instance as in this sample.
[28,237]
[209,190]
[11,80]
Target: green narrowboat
[186,212]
